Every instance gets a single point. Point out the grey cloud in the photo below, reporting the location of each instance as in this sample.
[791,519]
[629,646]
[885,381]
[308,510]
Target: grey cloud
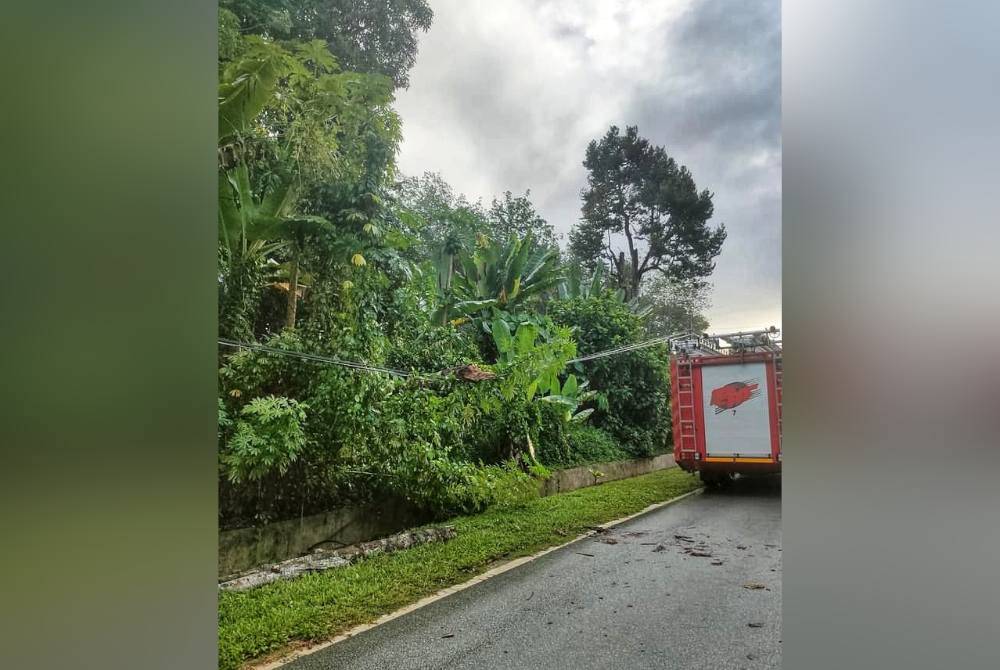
[509,98]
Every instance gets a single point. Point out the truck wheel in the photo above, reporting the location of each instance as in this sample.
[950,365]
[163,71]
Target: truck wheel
[717,480]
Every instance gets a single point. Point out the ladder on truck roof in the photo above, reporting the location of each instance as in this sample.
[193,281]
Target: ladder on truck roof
[695,344]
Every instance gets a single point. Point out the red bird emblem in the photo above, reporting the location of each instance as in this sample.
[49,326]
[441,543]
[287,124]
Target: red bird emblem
[734,394]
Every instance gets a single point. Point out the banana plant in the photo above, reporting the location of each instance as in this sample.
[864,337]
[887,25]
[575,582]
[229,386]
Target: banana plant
[574,285]
[497,276]
[571,395]
[521,349]
[248,85]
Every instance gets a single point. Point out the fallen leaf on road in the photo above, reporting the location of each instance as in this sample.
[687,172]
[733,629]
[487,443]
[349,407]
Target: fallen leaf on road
[448,635]
[716,562]
[659,547]
[754,586]
[755,624]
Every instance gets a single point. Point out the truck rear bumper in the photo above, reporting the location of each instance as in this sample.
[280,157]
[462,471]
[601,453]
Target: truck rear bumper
[742,465]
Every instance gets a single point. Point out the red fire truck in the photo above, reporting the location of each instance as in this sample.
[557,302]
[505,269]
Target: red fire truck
[726,404]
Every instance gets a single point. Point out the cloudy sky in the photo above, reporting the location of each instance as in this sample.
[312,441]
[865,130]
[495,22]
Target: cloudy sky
[506,95]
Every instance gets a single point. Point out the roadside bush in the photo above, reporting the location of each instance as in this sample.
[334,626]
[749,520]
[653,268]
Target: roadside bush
[417,344]
[552,444]
[634,386]
[589,444]
[444,445]
[267,439]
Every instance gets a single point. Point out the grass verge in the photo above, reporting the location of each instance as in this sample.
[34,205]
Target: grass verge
[314,607]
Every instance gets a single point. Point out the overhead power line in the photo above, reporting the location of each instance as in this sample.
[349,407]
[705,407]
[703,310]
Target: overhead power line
[316,358]
[621,350]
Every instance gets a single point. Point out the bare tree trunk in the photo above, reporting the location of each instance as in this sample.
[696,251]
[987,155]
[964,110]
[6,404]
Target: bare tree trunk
[293,291]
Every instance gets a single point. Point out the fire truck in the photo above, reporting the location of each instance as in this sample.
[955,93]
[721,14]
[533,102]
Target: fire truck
[725,404]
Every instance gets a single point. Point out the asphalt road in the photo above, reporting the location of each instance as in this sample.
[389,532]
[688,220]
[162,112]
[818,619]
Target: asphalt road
[632,597]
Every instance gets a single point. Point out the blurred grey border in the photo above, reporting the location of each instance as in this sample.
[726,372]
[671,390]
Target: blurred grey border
[108,409]
[891,316]
[891,311]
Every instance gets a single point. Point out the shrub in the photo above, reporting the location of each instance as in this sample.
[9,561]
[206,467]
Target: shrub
[635,385]
[589,444]
[268,437]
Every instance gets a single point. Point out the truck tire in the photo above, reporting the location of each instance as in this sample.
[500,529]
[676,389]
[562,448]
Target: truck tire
[716,480]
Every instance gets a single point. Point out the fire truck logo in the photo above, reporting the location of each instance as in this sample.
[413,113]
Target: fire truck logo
[734,394]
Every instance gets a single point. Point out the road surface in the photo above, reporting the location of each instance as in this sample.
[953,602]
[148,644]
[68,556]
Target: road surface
[636,596]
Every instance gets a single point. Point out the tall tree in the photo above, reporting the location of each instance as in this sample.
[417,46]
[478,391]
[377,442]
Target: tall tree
[289,119]
[373,36]
[514,215]
[675,306]
[446,220]
[642,213]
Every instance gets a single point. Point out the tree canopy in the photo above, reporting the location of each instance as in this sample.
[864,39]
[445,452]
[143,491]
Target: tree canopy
[372,36]
[642,213]
[515,215]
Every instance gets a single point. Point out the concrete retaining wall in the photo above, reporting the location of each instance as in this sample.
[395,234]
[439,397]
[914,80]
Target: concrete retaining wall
[562,481]
[245,548]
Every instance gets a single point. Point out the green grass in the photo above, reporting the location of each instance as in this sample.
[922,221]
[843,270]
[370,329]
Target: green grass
[254,623]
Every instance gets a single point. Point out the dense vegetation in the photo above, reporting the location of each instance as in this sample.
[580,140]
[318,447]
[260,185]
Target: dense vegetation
[462,316]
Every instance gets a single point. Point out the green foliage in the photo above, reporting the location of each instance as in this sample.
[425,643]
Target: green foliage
[515,216]
[589,444]
[507,277]
[372,36]
[277,142]
[268,438]
[633,387]
[576,285]
[675,306]
[322,251]
[634,189]
[229,35]
[444,223]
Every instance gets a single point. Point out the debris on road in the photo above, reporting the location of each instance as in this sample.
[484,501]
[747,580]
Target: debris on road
[754,586]
[755,624]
